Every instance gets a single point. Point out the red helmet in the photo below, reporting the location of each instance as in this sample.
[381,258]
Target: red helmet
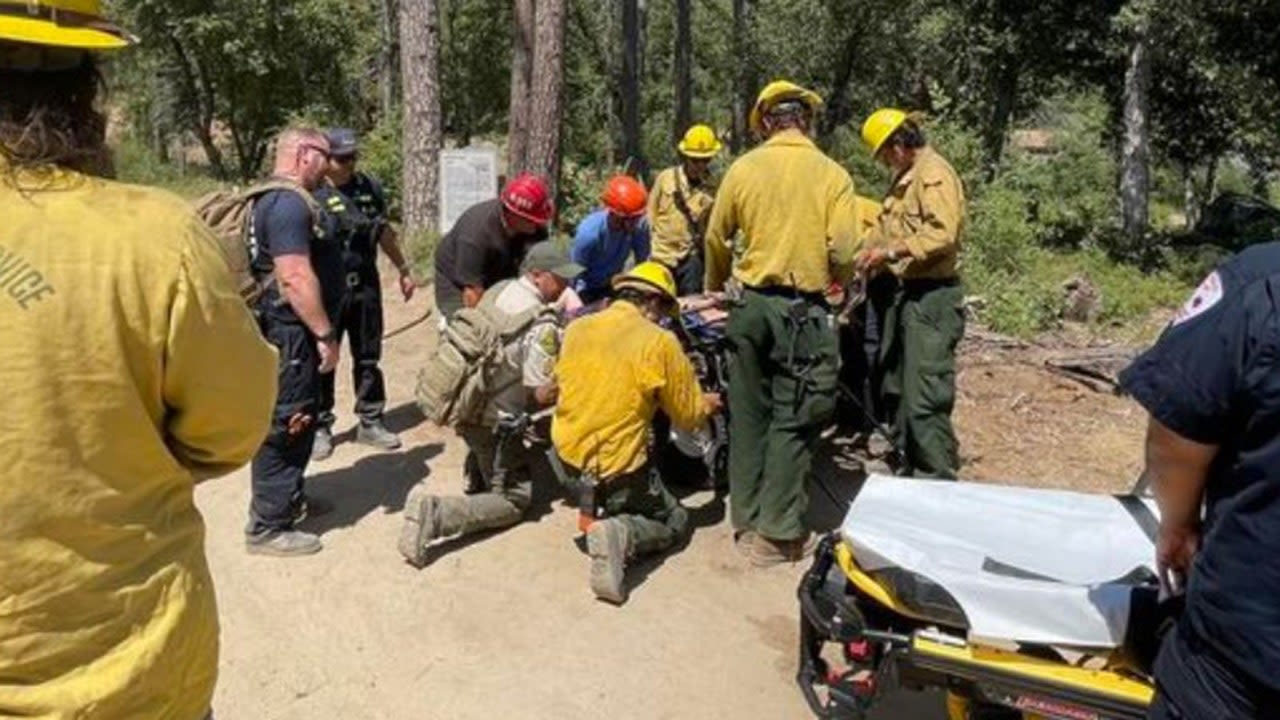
[526,195]
[625,196]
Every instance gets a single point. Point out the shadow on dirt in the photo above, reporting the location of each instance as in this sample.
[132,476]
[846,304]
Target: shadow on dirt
[373,482]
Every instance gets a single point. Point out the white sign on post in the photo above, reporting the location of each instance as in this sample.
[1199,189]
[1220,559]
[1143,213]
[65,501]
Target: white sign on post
[467,176]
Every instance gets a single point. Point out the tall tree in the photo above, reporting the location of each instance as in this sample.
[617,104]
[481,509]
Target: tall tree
[683,68]
[630,83]
[1135,153]
[547,96]
[389,58]
[420,60]
[744,79]
[522,44]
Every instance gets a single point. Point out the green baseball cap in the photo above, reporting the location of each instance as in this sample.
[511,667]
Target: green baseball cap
[545,256]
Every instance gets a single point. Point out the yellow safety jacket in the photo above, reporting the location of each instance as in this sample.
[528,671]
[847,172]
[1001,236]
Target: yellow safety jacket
[616,369]
[670,229]
[130,369]
[925,210]
[794,207]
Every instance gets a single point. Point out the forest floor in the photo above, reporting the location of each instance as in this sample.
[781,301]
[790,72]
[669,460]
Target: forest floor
[504,625]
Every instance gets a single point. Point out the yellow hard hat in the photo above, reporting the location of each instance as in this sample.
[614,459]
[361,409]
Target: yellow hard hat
[880,126]
[75,24]
[780,91]
[650,277]
[699,142]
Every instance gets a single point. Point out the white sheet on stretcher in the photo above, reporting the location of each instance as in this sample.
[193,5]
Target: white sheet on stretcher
[967,537]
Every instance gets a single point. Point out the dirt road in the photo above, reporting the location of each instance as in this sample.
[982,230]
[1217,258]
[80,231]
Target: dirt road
[500,626]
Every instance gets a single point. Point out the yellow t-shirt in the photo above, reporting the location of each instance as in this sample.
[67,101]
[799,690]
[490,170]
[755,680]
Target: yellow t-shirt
[669,228]
[130,368]
[795,209]
[616,369]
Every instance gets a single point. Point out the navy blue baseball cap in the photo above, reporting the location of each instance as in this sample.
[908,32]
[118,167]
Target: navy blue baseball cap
[342,142]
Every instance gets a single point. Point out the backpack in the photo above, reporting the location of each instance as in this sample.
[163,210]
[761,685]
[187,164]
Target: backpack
[459,379]
[229,213]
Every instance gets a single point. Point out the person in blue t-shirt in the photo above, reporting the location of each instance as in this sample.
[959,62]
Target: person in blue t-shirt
[607,237]
[1212,387]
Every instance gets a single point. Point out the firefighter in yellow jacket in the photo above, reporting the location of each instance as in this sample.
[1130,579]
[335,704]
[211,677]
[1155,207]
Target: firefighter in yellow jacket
[617,368]
[679,206]
[921,223]
[131,370]
[794,209]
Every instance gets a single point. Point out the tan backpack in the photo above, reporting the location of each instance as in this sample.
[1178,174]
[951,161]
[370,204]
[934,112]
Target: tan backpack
[459,379]
[229,213]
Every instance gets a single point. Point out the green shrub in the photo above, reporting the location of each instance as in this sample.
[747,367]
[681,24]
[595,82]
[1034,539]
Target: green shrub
[136,163]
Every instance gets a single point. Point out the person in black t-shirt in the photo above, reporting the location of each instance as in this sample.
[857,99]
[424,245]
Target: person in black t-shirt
[1212,387]
[288,245]
[488,242]
[361,315]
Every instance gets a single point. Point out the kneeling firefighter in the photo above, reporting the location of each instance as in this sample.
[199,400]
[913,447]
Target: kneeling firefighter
[617,368]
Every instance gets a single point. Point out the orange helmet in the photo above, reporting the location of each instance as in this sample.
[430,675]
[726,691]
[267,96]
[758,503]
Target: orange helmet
[624,195]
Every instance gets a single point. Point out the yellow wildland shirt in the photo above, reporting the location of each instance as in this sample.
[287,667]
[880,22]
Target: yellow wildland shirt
[131,368]
[616,370]
[795,209]
[868,211]
[925,211]
[670,230]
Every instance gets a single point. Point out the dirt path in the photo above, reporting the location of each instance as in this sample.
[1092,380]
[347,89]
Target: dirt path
[503,626]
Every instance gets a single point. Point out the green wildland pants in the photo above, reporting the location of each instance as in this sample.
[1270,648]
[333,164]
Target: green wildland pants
[922,329]
[655,519]
[506,467]
[783,376]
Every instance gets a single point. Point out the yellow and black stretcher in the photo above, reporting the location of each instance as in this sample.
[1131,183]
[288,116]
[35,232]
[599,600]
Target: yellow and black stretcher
[858,641]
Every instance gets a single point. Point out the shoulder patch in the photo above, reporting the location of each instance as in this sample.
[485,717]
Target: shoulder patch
[1209,293]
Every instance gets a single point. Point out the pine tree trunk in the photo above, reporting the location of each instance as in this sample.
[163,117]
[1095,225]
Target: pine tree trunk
[744,78]
[389,59]
[522,44]
[683,68]
[630,81]
[547,99]
[420,55]
[1135,156]
[1190,198]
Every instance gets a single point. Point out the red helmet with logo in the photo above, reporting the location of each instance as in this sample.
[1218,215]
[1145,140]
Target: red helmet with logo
[625,196]
[526,195]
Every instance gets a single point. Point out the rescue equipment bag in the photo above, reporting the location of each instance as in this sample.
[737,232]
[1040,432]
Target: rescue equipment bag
[460,377]
[229,213]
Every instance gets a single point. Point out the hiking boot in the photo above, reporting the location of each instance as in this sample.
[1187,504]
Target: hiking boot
[283,543]
[607,546]
[744,541]
[377,435]
[419,527]
[766,552]
[475,479]
[322,449]
[803,547]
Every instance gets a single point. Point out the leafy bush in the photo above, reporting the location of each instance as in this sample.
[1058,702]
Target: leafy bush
[136,163]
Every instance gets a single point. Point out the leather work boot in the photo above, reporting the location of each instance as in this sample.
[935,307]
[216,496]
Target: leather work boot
[607,546]
[420,527]
[744,542]
[283,543]
[377,435]
[323,447]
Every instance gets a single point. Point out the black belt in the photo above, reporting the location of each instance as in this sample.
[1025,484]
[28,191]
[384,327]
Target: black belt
[789,293]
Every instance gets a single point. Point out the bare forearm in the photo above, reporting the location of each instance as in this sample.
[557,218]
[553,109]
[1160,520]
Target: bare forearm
[389,241]
[302,291]
[471,296]
[1178,469]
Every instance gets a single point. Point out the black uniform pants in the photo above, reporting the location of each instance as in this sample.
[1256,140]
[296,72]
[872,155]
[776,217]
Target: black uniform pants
[281,462]
[1194,681]
[688,275]
[361,320]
